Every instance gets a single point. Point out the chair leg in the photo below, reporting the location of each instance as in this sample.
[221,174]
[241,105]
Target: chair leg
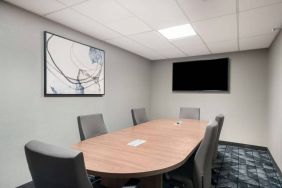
[94,179]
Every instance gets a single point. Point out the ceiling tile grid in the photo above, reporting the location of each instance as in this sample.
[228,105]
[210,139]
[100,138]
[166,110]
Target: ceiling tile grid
[251,4]
[40,7]
[223,46]
[85,25]
[260,21]
[201,10]
[133,46]
[129,26]
[221,25]
[192,46]
[71,2]
[256,42]
[154,40]
[158,14]
[105,11]
[217,29]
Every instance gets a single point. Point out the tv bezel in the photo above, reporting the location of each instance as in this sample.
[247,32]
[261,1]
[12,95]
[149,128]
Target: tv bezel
[205,91]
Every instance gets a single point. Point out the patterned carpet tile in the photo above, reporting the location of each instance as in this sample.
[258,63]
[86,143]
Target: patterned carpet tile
[241,167]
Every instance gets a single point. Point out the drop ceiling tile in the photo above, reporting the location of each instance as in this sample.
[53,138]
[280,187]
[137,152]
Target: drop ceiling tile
[126,43]
[260,21]
[200,10]
[223,46]
[134,47]
[129,26]
[71,2]
[250,4]
[257,42]
[123,41]
[40,7]
[104,11]
[152,39]
[217,29]
[171,52]
[158,14]
[191,46]
[199,51]
[151,55]
[82,24]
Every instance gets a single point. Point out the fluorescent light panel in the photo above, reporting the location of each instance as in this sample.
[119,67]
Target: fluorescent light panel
[177,32]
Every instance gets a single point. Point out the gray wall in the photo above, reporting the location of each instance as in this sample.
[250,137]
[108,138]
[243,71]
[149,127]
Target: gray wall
[244,107]
[25,114]
[275,100]
[131,81]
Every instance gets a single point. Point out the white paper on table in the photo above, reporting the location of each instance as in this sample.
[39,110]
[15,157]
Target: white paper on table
[179,122]
[136,142]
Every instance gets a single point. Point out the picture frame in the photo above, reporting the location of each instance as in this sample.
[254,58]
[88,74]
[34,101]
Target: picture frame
[72,68]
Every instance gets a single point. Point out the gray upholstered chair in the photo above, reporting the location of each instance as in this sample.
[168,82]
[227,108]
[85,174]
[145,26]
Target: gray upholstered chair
[139,116]
[189,113]
[91,125]
[52,166]
[197,172]
[220,119]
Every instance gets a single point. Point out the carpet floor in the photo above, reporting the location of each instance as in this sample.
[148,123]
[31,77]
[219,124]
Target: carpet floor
[239,167]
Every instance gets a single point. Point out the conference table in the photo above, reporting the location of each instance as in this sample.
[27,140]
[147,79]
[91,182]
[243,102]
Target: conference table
[145,151]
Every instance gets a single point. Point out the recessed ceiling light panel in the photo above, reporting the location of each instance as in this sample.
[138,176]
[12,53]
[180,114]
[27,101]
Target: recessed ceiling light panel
[177,32]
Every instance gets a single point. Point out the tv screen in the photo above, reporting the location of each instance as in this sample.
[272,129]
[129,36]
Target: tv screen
[203,75]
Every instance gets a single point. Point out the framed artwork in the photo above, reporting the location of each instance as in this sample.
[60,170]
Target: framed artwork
[72,68]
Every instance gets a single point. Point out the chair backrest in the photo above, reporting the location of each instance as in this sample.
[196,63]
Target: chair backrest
[139,116]
[189,113]
[219,119]
[52,166]
[203,158]
[91,125]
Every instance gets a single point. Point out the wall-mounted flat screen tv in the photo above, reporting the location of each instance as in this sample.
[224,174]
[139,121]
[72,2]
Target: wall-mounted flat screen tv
[203,75]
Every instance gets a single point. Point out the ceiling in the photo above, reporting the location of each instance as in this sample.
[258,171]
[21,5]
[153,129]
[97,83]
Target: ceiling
[221,25]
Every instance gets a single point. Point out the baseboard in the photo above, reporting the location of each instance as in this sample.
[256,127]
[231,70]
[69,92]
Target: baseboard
[253,147]
[243,145]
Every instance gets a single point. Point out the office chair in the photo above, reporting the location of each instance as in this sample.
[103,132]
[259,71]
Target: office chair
[139,116]
[55,167]
[219,119]
[189,113]
[52,166]
[197,173]
[91,125]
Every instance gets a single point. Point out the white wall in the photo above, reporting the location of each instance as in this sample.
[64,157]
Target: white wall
[25,114]
[244,107]
[275,101]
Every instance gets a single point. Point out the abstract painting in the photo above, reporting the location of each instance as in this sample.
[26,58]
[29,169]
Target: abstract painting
[72,68]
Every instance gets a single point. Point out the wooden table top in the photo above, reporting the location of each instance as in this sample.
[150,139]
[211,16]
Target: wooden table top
[166,148]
